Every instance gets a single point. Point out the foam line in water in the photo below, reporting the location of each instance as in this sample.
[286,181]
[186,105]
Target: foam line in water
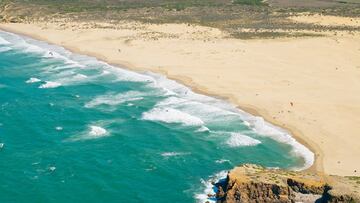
[212,108]
[93,132]
[170,154]
[58,128]
[238,140]
[170,115]
[203,129]
[3,41]
[221,161]
[203,109]
[125,75]
[67,78]
[4,49]
[33,80]
[46,50]
[49,84]
[97,131]
[259,125]
[113,99]
[75,78]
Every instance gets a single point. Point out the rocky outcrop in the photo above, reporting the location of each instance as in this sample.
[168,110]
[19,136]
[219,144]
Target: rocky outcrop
[254,184]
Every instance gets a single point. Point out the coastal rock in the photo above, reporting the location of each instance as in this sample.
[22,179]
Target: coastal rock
[220,194]
[252,184]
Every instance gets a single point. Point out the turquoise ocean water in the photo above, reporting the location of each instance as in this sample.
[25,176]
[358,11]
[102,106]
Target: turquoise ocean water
[75,129]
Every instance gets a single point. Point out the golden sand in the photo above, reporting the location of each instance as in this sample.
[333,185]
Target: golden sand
[310,86]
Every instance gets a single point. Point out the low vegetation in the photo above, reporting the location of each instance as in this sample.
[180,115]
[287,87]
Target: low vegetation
[240,18]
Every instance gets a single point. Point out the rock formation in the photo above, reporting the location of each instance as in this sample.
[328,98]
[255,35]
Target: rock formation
[255,184]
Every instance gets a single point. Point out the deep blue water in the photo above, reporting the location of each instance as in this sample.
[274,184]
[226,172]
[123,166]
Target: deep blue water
[74,129]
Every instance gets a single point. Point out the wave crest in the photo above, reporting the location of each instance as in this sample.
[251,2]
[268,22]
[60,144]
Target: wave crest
[49,84]
[170,115]
[238,140]
[33,80]
[112,100]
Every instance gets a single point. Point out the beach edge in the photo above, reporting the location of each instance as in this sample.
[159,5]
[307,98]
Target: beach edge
[316,167]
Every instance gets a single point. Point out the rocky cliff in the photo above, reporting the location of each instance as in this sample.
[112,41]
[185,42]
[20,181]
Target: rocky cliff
[252,183]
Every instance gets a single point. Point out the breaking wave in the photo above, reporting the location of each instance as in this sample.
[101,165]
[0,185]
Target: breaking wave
[170,115]
[3,41]
[170,154]
[209,191]
[114,99]
[33,80]
[237,140]
[49,84]
[93,132]
[5,49]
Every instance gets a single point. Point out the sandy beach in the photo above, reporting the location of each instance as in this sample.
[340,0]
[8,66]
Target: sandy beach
[309,86]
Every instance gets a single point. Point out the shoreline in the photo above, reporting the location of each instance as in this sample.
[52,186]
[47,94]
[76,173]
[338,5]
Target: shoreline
[318,165]
[315,167]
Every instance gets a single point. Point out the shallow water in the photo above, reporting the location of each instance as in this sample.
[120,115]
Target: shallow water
[76,129]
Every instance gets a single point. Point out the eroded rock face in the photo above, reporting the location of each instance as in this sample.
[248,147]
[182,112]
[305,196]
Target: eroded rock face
[258,192]
[254,184]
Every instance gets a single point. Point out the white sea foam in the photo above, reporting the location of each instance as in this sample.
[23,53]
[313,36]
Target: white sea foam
[5,49]
[171,87]
[69,78]
[2,145]
[105,72]
[238,140]
[59,128]
[170,115]
[76,77]
[209,188]
[209,109]
[93,132]
[66,77]
[203,129]
[280,135]
[112,99]
[49,84]
[170,154]
[126,75]
[172,101]
[207,112]
[195,109]
[97,131]
[220,161]
[33,46]
[52,168]
[3,41]
[33,80]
